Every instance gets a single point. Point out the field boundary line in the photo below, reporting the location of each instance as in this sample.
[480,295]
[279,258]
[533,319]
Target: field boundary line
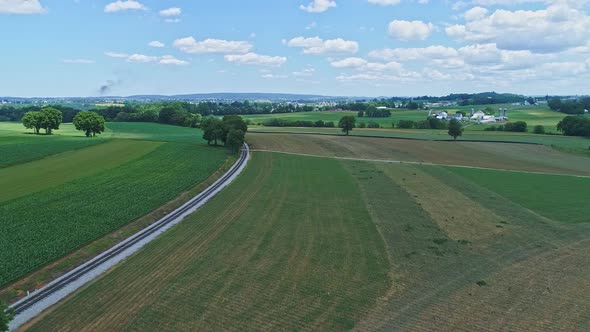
[420,163]
[393,137]
[40,300]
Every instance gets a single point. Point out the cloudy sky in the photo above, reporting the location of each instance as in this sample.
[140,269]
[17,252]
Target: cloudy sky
[329,47]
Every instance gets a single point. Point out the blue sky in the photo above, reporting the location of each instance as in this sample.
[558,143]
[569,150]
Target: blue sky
[329,47]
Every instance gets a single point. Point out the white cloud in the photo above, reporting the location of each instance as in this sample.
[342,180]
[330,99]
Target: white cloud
[172,20]
[349,63]
[307,72]
[410,30]
[385,2]
[273,76]
[78,61]
[318,6]
[316,45]
[190,45]
[116,55]
[174,11]
[156,43]
[171,60]
[140,58]
[368,67]
[559,27]
[119,5]
[21,7]
[256,59]
[311,25]
[405,54]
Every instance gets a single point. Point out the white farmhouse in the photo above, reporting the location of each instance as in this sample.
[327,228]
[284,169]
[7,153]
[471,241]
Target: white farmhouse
[478,115]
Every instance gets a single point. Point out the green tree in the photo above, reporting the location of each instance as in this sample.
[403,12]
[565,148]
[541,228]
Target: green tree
[172,113]
[575,126]
[539,129]
[6,316]
[192,120]
[554,104]
[53,119]
[235,139]
[347,123]
[212,129]
[455,129]
[518,126]
[361,114]
[89,122]
[34,120]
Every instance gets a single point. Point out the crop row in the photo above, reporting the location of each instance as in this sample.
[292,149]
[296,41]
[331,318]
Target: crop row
[39,228]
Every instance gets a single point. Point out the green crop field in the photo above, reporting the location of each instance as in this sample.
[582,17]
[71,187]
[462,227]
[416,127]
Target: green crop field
[24,179]
[55,200]
[16,148]
[315,243]
[556,197]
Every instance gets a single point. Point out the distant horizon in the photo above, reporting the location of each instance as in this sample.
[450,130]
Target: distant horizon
[285,94]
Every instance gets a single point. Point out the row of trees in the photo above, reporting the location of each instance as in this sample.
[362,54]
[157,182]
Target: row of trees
[47,118]
[15,114]
[348,123]
[373,112]
[517,127]
[430,123]
[276,122]
[231,131]
[570,106]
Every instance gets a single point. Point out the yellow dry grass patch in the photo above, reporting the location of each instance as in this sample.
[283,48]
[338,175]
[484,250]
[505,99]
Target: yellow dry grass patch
[458,216]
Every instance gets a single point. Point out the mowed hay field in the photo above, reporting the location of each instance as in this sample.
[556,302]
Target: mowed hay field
[522,157]
[315,243]
[53,204]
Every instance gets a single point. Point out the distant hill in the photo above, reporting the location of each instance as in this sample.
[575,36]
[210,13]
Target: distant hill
[237,96]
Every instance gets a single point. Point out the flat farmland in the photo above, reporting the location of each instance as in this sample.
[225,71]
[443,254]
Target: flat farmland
[271,253]
[63,200]
[316,243]
[335,117]
[578,145]
[534,158]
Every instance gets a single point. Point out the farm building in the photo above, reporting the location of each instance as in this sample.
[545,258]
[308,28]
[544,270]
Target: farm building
[477,115]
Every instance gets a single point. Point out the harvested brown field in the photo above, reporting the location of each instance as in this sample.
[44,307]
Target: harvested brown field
[521,157]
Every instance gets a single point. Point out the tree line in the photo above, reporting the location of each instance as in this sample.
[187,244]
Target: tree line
[277,122]
[574,106]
